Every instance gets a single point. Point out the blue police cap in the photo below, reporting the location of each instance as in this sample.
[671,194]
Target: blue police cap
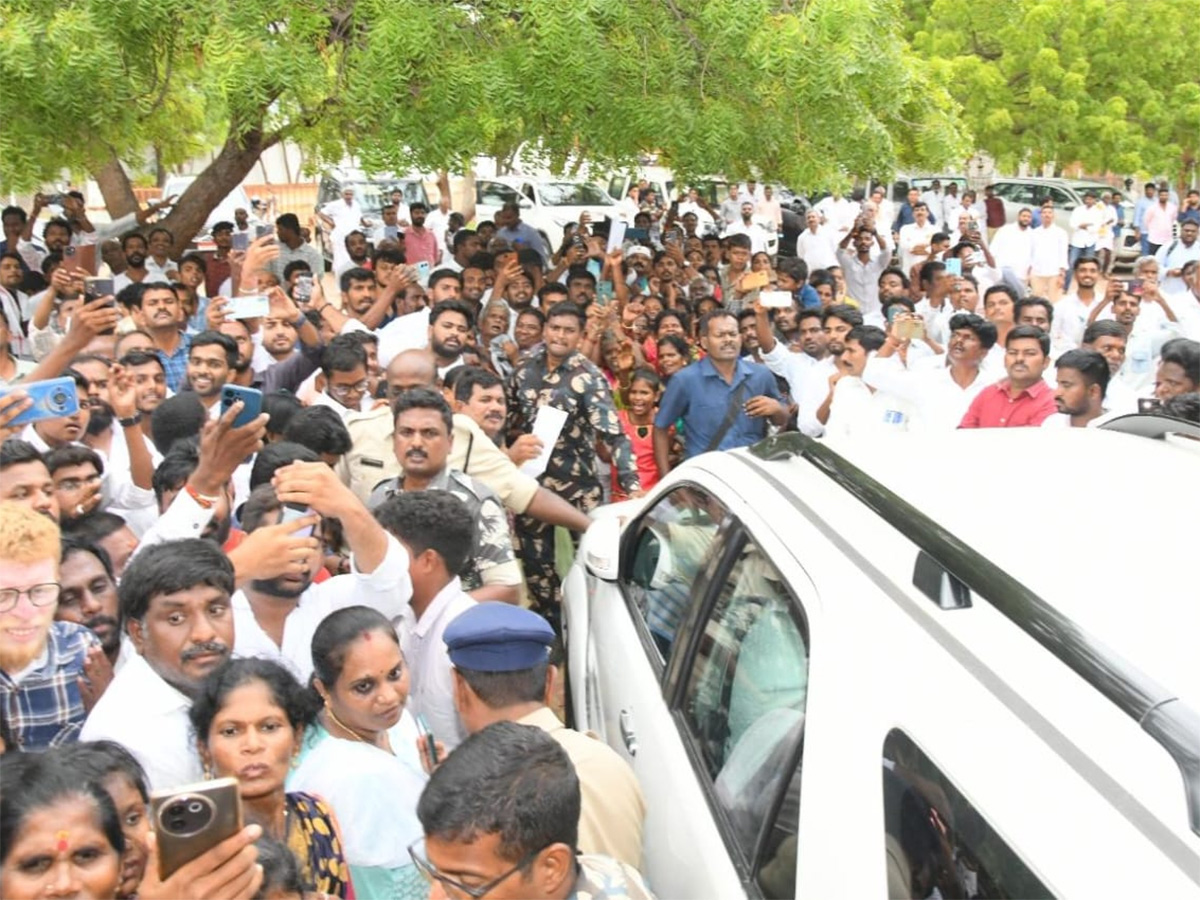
[498,637]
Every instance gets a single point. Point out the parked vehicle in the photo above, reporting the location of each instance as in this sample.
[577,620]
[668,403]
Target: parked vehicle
[837,677]
[370,191]
[546,204]
[175,185]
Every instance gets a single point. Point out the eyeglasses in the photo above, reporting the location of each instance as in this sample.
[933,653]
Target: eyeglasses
[457,888]
[39,595]
[345,390]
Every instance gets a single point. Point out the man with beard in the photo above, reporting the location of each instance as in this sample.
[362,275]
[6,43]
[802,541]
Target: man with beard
[88,593]
[1082,380]
[1072,311]
[785,360]
[275,618]
[746,328]
[357,253]
[811,384]
[862,268]
[155,309]
[466,245]
[420,244]
[174,605]
[358,292]
[292,247]
[474,286]
[212,358]
[44,665]
[25,480]
[136,251]
[424,430]
[1023,398]
[450,325]
[218,269]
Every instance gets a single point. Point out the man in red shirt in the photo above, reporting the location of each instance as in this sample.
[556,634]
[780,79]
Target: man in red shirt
[1022,398]
[994,209]
[420,244]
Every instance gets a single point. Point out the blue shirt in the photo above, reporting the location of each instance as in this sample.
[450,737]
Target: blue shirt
[1139,209]
[175,365]
[700,396]
[45,708]
[906,217]
[528,236]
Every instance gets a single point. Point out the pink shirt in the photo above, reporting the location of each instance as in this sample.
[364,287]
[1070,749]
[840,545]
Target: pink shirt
[993,407]
[1158,222]
[420,247]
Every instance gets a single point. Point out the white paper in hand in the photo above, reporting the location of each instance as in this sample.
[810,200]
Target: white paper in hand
[547,427]
[616,236]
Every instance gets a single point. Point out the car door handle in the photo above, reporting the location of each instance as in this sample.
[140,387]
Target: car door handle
[627,734]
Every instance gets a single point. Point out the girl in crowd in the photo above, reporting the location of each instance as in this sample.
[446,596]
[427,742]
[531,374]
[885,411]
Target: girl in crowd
[59,835]
[673,354]
[361,752]
[760,262]
[638,421]
[249,719]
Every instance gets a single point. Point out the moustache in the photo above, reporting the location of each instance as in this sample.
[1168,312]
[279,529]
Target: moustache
[135,259]
[416,454]
[205,648]
[97,621]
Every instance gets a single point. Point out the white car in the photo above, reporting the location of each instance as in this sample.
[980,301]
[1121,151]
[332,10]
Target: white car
[548,205]
[972,671]
[175,185]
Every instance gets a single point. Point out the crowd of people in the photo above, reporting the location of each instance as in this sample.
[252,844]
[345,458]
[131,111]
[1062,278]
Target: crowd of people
[307,529]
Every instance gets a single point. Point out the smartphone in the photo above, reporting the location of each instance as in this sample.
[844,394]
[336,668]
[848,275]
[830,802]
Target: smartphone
[954,266]
[637,234]
[52,399]
[643,284]
[595,267]
[911,329]
[1135,286]
[302,292]
[1149,405]
[292,512]
[752,280]
[604,292]
[427,737]
[190,820]
[241,240]
[262,230]
[250,306]
[68,254]
[251,397]
[95,288]
[776,299]
[422,269]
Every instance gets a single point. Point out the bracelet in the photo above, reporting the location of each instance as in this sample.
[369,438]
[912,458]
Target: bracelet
[205,501]
[299,323]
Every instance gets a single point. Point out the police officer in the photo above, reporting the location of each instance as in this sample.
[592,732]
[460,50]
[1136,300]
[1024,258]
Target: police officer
[500,655]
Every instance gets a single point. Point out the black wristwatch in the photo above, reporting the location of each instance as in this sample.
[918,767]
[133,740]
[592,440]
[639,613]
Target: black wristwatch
[135,419]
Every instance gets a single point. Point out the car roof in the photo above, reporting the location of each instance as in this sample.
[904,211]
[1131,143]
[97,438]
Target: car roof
[1095,522]
[358,175]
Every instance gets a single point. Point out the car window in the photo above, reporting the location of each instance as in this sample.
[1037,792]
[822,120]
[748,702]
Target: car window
[370,195]
[616,185]
[569,193]
[935,840]
[1060,197]
[743,702]
[493,193]
[673,544]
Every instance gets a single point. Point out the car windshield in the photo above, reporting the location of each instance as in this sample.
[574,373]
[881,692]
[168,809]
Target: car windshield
[371,194]
[570,193]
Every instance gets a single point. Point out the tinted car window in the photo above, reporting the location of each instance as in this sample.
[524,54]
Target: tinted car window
[672,547]
[743,704]
[493,193]
[569,193]
[936,840]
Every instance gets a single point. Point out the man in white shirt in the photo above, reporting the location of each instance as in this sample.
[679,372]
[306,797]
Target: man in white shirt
[1049,257]
[768,210]
[1173,256]
[932,197]
[857,410]
[862,265]
[174,602]
[276,618]
[885,209]
[942,391]
[790,364]
[837,214]
[436,530]
[341,217]
[748,227]
[1085,229]
[1109,338]
[951,203]
[915,238]
[1072,311]
[816,244]
[1081,381]
[1012,247]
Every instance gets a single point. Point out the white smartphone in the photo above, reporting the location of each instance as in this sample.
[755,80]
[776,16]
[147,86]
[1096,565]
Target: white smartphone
[248,306]
[775,299]
[423,273]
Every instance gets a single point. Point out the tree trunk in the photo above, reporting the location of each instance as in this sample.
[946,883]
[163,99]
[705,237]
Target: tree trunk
[115,188]
[232,164]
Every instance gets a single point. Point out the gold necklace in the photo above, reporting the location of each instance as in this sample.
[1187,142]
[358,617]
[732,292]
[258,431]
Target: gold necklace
[346,728]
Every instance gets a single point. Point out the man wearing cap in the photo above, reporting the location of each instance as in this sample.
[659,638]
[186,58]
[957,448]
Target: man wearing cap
[502,673]
[218,269]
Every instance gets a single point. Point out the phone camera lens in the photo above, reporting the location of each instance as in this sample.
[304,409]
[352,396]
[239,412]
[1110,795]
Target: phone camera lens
[177,824]
[176,809]
[195,807]
[59,399]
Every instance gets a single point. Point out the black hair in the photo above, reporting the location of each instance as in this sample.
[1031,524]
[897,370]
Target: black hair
[296,265]
[712,315]
[741,241]
[444,275]
[320,429]
[424,398]
[74,542]
[647,375]
[337,631]
[843,311]
[906,302]
[452,306]
[57,222]
[280,406]
[177,466]
[286,692]
[141,358]
[580,273]
[177,418]
[158,229]
[1183,406]
[984,330]
[513,781]
[1020,332]
[275,456]
[498,690]
[129,236]
[470,377]
[72,455]
[431,520]
[15,211]
[1088,363]
[33,781]
[196,259]
[1026,302]
[672,313]
[393,255]
[1104,328]
[870,337]
[893,270]
[461,236]
[171,567]
[1001,288]
[95,527]
[678,342]
[418,204]
[822,277]
[795,267]
[1085,259]
[215,338]
[555,288]
[481,260]
[930,269]
[290,221]
[357,274]
[1184,353]
[262,500]
[280,871]
[343,354]
[15,452]
[96,761]
[567,308]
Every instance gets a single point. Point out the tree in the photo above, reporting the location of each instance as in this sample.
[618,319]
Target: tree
[811,92]
[1112,84]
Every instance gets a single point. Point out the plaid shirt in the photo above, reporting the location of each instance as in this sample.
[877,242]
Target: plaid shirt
[175,365]
[45,709]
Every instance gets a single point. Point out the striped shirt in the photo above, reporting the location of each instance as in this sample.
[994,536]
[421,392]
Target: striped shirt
[44,708]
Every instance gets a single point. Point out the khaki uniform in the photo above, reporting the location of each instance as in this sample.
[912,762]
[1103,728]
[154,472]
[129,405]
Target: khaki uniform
[371,458]
[613,811]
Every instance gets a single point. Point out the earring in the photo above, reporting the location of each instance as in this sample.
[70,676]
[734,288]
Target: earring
[207,773]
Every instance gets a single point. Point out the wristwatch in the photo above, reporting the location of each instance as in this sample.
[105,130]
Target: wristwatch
[300,320]
[135,419]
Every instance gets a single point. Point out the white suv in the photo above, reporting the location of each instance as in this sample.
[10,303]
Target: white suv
[548,205]
[974,670]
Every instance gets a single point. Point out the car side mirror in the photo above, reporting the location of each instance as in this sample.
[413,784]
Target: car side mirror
[601,548]
[525,202]
[1069,206]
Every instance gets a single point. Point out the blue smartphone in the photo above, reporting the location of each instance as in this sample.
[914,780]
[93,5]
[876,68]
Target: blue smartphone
[954,267]
[52,399]
[251,397]
[595,267]
[637,234]
[427,737]
[291,513]
[604,292]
